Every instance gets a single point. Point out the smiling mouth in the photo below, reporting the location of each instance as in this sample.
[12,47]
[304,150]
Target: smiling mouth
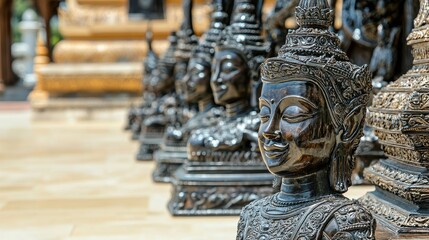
[276,151]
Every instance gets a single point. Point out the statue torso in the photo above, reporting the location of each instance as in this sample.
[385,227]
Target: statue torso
[329,217]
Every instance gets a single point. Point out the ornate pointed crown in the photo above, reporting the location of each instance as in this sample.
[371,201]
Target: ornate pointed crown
[168,59]
[244,33]
[220,19]
[151,59]
[312,52]
[187,40]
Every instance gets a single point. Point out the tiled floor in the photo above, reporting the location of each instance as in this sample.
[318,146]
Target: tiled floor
[79,181]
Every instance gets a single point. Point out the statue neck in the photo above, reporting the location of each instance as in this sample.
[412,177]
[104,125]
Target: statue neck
[205,103]
[236,108]
[304,188]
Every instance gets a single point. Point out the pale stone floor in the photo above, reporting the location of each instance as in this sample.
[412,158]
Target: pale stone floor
[79,181]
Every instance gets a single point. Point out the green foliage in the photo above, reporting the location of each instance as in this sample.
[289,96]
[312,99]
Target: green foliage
[18,8]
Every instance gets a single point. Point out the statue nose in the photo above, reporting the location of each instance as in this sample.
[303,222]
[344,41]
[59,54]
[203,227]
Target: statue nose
[272,135]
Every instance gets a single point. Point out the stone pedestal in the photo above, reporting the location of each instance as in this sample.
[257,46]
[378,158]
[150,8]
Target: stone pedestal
[220,192]
[168,160]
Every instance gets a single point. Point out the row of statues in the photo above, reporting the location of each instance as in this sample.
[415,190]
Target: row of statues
[268,123]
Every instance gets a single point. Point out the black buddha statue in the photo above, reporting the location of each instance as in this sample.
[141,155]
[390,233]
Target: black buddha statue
[170,109]
[224,170]
[312,110]
[152,92]
[149,65]
[196,89]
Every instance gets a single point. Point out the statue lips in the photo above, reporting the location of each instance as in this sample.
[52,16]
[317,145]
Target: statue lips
[275,153]
[220,90]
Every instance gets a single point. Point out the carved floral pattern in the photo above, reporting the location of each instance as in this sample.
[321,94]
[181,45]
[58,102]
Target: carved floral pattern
[214,200]
[411,186]
[265,219]
[391,214]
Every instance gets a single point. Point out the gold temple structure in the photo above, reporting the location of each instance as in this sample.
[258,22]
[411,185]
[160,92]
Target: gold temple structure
[102,53]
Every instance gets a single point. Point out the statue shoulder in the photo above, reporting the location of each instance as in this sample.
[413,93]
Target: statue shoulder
[250,215]
[350,221]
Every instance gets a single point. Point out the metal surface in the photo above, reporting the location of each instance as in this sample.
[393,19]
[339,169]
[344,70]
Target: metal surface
[224,170]
[400,116]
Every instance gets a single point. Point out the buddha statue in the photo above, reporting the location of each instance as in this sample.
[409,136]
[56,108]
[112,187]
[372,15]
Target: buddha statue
[224,170]
[161,74]
[312,110]
[149,65]
[170,109]
[196,89]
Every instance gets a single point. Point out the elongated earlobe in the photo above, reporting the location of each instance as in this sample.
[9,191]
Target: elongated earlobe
[341,168]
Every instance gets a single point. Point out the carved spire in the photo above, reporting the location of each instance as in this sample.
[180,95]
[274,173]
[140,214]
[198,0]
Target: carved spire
[245,32]
[151,59]
[314,13]
[220,19]
[186,35]
[420,32]
[168,59]
[423,16]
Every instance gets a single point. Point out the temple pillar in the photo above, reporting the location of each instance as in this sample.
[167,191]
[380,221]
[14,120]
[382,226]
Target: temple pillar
[6,75]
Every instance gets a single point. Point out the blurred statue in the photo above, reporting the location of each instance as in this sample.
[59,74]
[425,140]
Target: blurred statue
[224,170]
[170,108]
[196,89]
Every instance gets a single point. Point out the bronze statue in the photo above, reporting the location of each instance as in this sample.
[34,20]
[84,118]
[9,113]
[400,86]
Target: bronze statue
[170,109]
[224,170]
[400,116]
[149,64]
[312,110]
[152,92]
[196,89]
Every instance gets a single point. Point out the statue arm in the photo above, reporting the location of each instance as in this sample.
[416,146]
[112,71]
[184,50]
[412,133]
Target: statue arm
[241,225]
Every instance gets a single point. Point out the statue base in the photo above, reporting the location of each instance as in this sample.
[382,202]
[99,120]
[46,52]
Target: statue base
[168,160]
[395,214]
[203,193]
[385,234]
[148,145]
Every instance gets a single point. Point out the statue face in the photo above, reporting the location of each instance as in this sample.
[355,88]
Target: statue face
[197,80]
[296,135]
[160,80]
[229,80]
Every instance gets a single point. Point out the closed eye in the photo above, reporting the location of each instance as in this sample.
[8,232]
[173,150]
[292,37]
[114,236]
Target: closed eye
[264,114]
[295,114]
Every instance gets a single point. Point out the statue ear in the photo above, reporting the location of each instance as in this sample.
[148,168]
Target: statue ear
[352,124]
[342,160]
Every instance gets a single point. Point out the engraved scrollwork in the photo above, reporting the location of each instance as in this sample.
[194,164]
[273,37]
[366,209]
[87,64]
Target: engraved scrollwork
[203,200]
[391,214]
[385,121]
[411,186]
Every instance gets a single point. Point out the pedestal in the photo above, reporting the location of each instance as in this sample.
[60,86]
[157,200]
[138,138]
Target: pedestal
[168,160]
[198,193]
